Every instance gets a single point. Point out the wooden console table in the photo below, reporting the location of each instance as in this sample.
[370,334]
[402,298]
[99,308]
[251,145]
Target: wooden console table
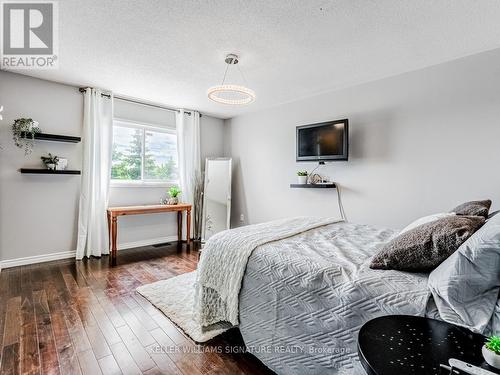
[114,212]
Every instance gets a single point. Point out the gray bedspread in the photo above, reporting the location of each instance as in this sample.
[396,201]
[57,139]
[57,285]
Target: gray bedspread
[304,298]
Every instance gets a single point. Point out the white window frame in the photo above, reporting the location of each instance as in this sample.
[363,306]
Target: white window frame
[143,126]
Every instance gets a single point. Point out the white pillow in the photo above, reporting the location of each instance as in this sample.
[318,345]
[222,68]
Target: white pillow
[465,286]
[427,219]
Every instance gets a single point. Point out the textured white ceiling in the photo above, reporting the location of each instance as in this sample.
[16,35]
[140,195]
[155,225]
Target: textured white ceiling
[171,51]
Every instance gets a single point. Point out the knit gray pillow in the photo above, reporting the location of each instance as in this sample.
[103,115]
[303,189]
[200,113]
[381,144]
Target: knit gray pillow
[423,248]
[474,208]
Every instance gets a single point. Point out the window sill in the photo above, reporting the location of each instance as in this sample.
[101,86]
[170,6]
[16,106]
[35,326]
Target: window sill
[141,184]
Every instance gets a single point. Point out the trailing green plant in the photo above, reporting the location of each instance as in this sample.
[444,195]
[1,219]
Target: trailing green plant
[174,191]
[50,159]
[493,344]
[302,173]
[23,133]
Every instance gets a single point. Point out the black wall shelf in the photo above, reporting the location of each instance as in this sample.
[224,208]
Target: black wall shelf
[313,186]
[53,137]
[48,171]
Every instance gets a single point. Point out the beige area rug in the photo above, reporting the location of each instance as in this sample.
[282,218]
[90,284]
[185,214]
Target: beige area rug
[175,298]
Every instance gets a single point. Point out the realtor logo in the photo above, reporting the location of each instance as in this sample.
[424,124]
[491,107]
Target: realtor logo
[29,35]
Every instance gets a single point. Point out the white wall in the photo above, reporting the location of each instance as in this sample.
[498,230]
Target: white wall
[38,214]
[212,138]
[420,143]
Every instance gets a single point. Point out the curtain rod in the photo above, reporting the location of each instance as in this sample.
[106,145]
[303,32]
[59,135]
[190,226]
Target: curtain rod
[83,89]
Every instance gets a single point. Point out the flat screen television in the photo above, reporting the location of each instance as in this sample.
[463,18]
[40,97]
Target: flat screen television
[323,141]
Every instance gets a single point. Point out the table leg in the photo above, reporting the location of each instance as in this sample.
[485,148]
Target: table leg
[188,226]
[179,226]
[109,230]
[114,234]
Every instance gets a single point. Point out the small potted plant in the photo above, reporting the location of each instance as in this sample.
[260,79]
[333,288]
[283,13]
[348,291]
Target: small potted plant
[50,161]
[302,177]
[23,133]
[174,193]
[491,351]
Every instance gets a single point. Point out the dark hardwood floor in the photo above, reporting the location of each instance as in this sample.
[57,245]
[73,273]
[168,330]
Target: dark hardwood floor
[69,317]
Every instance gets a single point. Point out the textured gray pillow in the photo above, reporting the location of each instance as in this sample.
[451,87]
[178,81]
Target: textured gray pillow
[474,208]
[423,248]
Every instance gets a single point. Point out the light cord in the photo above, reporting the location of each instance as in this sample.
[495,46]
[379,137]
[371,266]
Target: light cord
[341,205]
[225,73]
[242,75]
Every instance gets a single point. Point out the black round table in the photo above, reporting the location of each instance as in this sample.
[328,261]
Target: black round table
[401,344]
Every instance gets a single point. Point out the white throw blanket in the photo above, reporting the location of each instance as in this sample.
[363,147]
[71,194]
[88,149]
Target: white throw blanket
[224,259]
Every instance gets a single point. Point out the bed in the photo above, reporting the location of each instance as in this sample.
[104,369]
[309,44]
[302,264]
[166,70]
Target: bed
[300,289]
[304,298]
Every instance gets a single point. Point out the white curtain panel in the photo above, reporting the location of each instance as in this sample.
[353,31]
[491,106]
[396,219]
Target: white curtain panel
[188,148]
[96,173]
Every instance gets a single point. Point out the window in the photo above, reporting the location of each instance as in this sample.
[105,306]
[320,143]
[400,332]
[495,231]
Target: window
[143,153]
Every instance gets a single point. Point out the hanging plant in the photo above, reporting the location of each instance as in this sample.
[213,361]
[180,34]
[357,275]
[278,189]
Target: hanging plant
[23,133]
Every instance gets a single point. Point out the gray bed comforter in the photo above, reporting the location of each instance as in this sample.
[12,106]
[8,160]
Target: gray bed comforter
[304,298]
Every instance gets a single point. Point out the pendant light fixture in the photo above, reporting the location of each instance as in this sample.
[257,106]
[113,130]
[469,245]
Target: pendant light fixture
[229,93]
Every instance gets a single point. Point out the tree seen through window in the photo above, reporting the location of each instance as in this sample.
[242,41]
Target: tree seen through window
[143,153]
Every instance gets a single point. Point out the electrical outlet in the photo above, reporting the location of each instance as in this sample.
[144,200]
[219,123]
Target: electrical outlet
[242,218]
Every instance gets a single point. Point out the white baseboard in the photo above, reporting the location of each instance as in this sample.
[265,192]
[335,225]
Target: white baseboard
[71,254]
[36,259]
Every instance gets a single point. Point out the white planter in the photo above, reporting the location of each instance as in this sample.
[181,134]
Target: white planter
[491,358]
[302,179]
[51,166]
[173,200]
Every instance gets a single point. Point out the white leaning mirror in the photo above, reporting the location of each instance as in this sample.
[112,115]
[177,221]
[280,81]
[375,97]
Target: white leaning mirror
[216,197]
